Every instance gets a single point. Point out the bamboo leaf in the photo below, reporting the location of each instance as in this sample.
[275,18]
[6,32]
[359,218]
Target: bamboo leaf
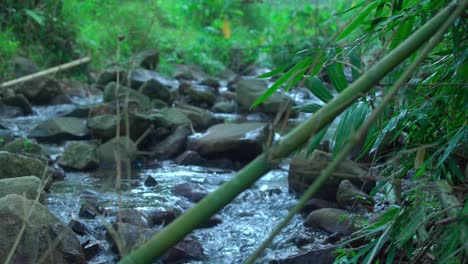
[316,87]
[35,16]
[337,77]
[356,62]
[358,20]
[316,141]
[274,72]
[308,108]
[300,66]
[298,76]
[452,144]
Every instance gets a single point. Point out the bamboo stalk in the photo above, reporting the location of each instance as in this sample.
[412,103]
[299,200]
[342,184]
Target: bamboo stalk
[214,202]
[45,72]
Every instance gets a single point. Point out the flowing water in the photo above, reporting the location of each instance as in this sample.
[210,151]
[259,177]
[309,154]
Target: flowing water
[245,222]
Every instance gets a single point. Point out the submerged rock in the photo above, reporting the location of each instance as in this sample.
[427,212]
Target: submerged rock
[60,128]
[44,235]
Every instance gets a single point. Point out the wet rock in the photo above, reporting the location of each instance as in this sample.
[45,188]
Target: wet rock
[315,256]
[80,111]
[224,107]
[158,104]
[250,90]
[189,157]
[6,136]
[109,75]
[147,59]
[78,227]
[188,249]
[211,222]
[350,195]
[189,72]
[315,204]
[133,95]
[7,111]
[241,142]
[14,165]
[43,91]
[200,118]
[88,210]
[91,249]
[163,217]
[302,239]
[24,146]
[138,77]
[28,186]
[43,233]
[198,95]
[333,220]
[155,90]
[172,145]
[20,101]
[150,182]
[175,116]
[105,126]
[193,192]
[303,171]
[211,83]
[23,66]
[133,216]
[79,156]
[60,129]
[106,152]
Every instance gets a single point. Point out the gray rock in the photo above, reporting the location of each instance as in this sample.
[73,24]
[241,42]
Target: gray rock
[133,216]
[133,95]
[224,107]
[147,59]
[155,90]
[172,145]
[14,165]
[26,147]
[193,192]
[6,136]
[43,91]
[105,126]
[250,90]
[19,100]
[349,195]
[176,116]
[198,95]
[106,152]
[44,235]
[138,77]
[28,186]
[333,221]
[211,83]
[8,111]
[303,171]
[79,156]
[200,118]
[189,72]
[109,75]
[60,128]
[242,142]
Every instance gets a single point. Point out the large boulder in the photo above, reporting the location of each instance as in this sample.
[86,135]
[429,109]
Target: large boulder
[105,126]
[333,221]
[14,165]
[201,118]
[26,147]
[155,90]
[28,186]
[44,237]
[60,129]
[8,111]
[241,142]
[124,145]
[198,95]
[133,95]
[79,156]
[138,77]
[43,91]
[18,100]
[303,171]
[172,145]
[250,90]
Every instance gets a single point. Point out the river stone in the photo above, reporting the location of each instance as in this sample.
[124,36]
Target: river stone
[224,107]
[250,90]
[19,100]
[109,75]
[172,145]
[6,136]
[26,147]
[134,217]
[138,77]
[147,59]
[241,142]
[350,195]
[15,165]
[43,91]
[133,95]
[28,186]
[106,152]
[211,83]
[175,116]
[189,72]
[131,236]
[60,128]
[105,126]
[79,156]
[43,233]
[8,111]
[193,192]
[303,171]
[201,118]
[333,221]
[155,90]
[198,95]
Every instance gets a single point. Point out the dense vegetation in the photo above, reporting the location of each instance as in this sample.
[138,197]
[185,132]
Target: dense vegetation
[418,146]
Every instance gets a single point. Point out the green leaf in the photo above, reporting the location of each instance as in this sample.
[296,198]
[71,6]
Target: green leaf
[300,66]
[337,77]
[298,76]
[316,87]
[308,108]
[35,16]
[355,60]
[358,20]
[274,72]
[316,141]
[452,144]
[351,8]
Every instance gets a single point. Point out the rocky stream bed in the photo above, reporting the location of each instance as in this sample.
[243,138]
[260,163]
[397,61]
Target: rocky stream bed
[188,134]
